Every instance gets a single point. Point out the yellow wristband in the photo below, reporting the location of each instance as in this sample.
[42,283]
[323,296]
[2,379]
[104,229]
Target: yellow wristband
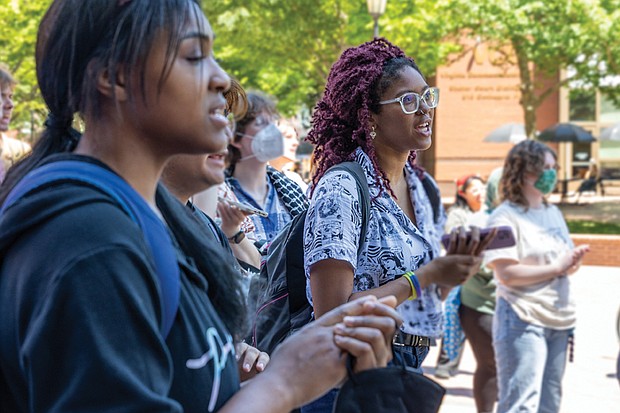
[414,291]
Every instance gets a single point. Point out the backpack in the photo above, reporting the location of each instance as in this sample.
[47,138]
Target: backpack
[279,291]
[433,197]
[155,232]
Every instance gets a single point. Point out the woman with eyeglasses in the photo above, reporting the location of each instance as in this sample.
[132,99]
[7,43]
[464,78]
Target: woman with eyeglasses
[377,110]
[535,312]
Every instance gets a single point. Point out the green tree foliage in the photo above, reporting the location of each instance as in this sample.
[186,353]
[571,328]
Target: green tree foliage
[546,37]
[286,48]
[18,33]
[283,47]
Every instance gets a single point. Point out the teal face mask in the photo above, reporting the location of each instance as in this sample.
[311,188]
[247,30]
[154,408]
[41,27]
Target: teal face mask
[546,181]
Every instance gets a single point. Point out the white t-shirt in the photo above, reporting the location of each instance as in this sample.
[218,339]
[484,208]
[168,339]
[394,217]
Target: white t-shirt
[542,237]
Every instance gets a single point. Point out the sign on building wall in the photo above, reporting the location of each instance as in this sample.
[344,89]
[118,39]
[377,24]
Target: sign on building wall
[479,92]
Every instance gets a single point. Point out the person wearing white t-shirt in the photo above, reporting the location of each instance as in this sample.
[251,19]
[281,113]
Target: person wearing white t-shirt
[535,312]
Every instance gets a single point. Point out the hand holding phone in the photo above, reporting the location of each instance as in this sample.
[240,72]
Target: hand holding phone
[503,238]
[243,207]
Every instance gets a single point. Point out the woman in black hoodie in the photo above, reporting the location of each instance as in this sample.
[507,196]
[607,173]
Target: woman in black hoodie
[110,301]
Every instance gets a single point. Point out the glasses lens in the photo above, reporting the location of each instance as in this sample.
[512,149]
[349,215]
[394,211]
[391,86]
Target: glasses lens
[410,102]
[431,97]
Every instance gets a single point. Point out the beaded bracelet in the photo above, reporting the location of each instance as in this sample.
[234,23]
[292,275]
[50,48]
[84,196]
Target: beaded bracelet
[414,283]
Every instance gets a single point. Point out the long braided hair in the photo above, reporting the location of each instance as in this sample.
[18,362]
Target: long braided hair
[341,120]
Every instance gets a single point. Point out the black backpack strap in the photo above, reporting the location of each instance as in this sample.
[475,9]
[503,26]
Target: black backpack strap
[433,196]
[356,170]
[295,275]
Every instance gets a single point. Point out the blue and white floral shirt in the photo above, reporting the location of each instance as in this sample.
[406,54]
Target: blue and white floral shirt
[393,244]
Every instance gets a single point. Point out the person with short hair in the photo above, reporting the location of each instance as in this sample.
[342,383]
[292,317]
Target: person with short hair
[188,175]
[256,142]
[288,161]
[11,149]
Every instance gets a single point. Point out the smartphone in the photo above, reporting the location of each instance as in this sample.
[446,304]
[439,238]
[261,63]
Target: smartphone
[503,239]
[243,207]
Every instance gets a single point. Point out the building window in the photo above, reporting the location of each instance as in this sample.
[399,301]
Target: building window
[582,105]
[582,152]
[610,111]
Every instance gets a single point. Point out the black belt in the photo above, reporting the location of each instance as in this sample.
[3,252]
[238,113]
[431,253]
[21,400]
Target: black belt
[411,340]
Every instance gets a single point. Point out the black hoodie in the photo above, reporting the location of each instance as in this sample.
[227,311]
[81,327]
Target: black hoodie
[80,312]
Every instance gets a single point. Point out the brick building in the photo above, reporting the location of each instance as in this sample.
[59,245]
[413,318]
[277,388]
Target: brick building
[477,97]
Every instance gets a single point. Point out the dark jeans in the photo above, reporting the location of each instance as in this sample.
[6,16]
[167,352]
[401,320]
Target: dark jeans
[409,356]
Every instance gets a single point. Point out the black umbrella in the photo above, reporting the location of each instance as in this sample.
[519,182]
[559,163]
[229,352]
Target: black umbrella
[509,132]
[566,132]
[612,133]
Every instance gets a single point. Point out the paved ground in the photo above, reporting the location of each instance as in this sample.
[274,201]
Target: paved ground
[589,383]
[590,208]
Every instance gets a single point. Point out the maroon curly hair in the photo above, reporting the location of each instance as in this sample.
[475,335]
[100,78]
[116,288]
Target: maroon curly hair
[341,119]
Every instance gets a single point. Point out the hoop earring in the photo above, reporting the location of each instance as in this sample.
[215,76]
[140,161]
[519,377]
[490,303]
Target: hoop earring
[373,134]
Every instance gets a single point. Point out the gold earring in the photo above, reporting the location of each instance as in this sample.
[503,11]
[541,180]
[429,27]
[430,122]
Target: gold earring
[373,134]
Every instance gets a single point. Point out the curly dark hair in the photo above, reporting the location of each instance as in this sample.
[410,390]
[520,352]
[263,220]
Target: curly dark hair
[341,119]
[526,157]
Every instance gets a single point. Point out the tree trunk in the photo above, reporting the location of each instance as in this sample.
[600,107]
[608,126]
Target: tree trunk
[528,100]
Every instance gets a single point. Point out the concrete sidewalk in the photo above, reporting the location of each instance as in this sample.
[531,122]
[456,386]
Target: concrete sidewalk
[589,383]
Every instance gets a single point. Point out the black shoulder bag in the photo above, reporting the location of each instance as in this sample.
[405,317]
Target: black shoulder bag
[389,389]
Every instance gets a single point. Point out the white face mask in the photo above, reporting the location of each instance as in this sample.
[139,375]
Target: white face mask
[267,144]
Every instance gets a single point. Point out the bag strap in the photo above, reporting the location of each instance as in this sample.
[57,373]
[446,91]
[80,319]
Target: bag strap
[433,196]
[156,234]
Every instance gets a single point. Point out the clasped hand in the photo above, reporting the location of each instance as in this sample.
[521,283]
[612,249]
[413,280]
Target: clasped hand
[312,361]
[570,262]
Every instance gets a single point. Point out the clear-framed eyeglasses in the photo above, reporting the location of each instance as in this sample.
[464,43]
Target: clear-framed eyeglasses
[410,102]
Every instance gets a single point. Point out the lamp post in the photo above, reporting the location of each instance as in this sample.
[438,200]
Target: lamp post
[376,8]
